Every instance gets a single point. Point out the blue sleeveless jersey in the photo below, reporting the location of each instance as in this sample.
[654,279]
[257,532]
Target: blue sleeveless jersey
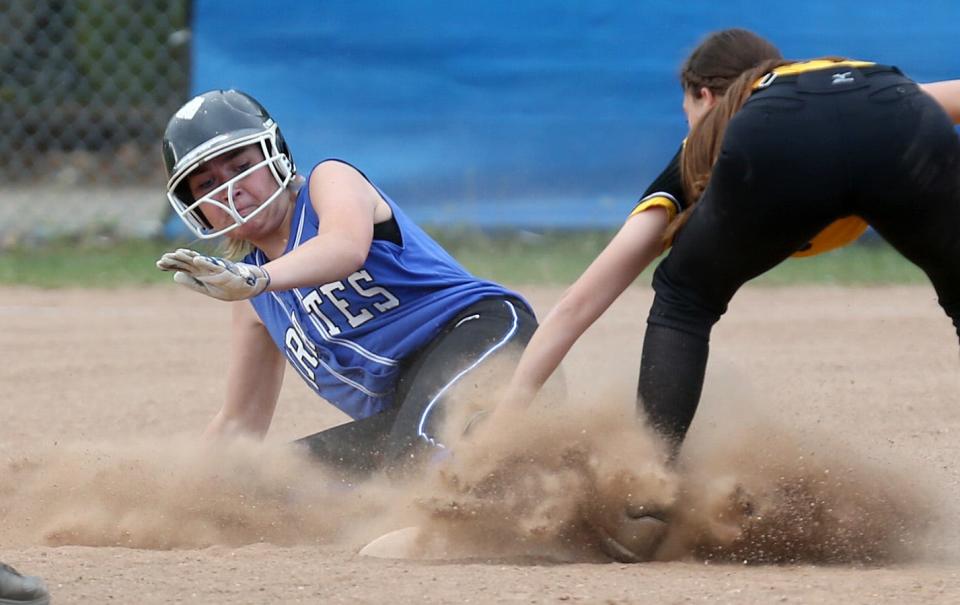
[348,338]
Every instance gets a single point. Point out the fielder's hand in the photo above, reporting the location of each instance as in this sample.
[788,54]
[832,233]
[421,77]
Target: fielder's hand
[214,276]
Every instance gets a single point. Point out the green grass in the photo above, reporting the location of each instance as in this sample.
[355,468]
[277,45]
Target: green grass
[524,257]
[515,258]
[868,263]
[87,264]
[558,258]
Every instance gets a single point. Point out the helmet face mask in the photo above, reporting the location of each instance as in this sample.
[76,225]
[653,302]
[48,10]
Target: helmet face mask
[206,127]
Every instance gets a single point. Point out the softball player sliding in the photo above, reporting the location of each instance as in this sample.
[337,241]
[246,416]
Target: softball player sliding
[809,144]
[335,279]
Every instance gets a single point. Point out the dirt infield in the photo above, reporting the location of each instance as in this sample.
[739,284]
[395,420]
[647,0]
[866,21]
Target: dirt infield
[851,393]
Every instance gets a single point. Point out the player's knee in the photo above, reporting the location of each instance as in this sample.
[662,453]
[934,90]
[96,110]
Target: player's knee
[682,308]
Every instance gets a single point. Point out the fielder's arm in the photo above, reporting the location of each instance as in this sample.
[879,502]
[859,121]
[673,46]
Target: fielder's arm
[947,93]
[254,377]
[633,248]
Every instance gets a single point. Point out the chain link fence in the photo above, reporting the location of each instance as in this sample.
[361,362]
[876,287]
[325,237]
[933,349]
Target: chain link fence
[86,89]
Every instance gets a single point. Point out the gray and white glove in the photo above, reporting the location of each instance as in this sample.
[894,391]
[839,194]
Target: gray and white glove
[215,276]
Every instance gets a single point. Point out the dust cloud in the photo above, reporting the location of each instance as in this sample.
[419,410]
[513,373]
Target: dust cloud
[543,484]
[174,493]
[768,497]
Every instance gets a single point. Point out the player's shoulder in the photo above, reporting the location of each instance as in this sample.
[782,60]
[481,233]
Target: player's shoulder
[334,175]
[332,167]
[669,181]
[335,169]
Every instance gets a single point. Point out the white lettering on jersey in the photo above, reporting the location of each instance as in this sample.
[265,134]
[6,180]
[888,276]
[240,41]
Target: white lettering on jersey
[311,302]
[359,319]
[382,300]
[299,349]
[303,355]
[389,300]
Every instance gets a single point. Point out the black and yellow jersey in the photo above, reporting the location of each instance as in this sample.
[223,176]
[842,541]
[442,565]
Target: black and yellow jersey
[666,191]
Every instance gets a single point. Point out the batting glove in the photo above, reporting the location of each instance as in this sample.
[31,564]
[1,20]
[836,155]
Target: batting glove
[214,276]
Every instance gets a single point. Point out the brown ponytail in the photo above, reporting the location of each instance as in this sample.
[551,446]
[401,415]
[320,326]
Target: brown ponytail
[703,144]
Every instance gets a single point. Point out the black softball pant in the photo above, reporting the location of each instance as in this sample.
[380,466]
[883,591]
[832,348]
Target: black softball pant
[793,160]
[397,437]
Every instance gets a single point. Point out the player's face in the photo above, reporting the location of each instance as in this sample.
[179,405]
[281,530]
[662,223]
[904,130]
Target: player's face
[248,193]
[696,106]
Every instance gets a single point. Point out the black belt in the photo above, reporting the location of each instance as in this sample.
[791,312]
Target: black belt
[827,79]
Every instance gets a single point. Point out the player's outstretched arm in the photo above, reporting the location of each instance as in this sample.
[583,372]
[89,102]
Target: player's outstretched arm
[947,93]
[254,377]
[637,243]
[347,204]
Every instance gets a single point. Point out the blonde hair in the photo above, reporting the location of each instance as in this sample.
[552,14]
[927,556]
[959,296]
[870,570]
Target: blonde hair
[235,249]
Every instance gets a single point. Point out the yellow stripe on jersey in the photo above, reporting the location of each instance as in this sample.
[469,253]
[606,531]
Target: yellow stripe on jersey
[805,66]
[656,201]
[836,234]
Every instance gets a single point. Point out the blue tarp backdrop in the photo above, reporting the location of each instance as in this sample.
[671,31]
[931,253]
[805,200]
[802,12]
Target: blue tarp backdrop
[520,113]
